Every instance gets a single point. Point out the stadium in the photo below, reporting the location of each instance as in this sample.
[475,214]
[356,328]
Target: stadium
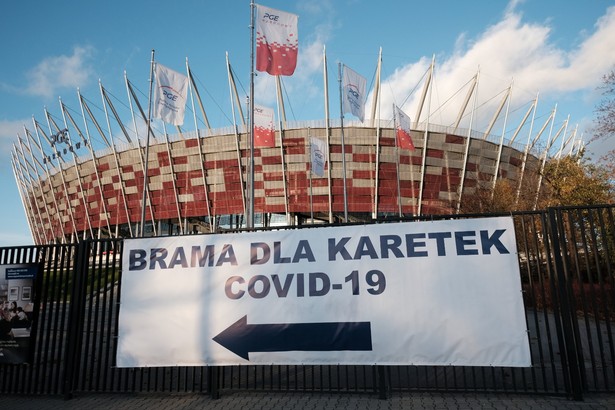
[196,182]
[141,180]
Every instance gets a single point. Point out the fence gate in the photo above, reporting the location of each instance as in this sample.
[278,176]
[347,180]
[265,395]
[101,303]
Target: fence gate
[567,262]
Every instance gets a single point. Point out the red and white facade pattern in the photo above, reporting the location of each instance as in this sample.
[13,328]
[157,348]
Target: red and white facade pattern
[207,182]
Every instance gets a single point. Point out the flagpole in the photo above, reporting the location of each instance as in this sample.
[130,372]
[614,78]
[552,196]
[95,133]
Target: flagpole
[339,67]
[149,120]
[250,194]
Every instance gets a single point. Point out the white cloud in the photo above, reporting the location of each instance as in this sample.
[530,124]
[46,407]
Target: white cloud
[511,50]
[59,72]
[8,134]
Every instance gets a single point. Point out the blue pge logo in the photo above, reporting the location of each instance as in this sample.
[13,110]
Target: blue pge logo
[169,95]
[271,17]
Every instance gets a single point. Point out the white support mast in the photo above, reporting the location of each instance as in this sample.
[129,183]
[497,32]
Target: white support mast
[467,146]
[61,161]
[88,143]
[426,137]
[20,189]
[192,86]
[376,106]
[174,179]
[49,181]
[466,101]
[28,195]
[339,66]
[397,164]
[527,148]
[496,173]
[117,166]
[235,102]
[88,221]
[131,95]
[425,88]
[282,126]
[37,179]
[544,158]
[327,132]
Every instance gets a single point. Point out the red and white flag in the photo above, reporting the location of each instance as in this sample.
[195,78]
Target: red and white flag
[277,41]
[171,95]
[402,125]
[264,131]
[353,89]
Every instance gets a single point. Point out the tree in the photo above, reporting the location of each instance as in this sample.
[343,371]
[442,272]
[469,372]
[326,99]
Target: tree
[604,127]
[567,181]
[577,182]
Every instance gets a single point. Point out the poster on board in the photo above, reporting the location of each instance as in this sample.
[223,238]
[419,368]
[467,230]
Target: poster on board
[17,284]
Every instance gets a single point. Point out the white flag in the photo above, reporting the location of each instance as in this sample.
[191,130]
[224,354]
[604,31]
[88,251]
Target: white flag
[318,151]
[264,131]
[353,93]
[171,94]
[277,42]
[402,124]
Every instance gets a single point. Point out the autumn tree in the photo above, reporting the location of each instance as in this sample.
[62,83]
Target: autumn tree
[576,182]
[566,181]
[604,126]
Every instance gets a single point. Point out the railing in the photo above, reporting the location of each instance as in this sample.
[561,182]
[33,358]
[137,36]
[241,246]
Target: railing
[567,266]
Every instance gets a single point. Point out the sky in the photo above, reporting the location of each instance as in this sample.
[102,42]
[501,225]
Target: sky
[558,50]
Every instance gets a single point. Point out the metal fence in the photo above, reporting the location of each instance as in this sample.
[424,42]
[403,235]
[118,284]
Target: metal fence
[567,261]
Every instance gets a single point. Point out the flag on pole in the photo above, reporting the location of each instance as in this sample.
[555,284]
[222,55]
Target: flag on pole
[353,93]
[264,131]
[171,95]
[277,41]
[402,121]
[318,151]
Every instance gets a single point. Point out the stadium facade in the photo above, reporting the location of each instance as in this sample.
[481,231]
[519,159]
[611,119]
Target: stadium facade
[197,183]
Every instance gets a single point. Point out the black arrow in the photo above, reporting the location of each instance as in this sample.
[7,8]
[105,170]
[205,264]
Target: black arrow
[242,338]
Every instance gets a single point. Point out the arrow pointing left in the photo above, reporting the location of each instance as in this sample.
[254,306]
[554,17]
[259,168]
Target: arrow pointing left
[242,338]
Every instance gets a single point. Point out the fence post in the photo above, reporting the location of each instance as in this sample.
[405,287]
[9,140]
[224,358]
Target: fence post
[75,318]
[568,346]
[382,383]
[212,382]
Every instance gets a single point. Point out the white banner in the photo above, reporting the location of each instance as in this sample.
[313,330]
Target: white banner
[277,41]
[353,93]
[171,94]
[422,293]
[318,152]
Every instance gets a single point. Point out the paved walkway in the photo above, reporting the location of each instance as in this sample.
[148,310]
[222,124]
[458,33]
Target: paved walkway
[315,401]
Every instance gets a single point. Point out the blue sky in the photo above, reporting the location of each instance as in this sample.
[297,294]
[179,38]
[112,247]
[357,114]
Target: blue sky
[559,48]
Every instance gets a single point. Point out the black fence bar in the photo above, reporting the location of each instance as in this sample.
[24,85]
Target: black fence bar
[566,259]
[568,344]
